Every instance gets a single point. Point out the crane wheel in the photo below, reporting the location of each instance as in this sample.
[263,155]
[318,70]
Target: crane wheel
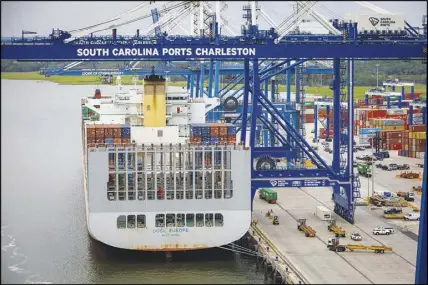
[265,163]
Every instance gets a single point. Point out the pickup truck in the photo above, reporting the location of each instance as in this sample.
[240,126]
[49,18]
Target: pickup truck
[403,167]
[391,166]
[412,217]
[383,231]
[393,211]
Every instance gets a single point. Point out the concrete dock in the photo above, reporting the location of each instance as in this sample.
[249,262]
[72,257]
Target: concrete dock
[310,256]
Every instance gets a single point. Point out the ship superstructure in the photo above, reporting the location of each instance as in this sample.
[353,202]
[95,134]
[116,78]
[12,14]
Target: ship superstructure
[157,177]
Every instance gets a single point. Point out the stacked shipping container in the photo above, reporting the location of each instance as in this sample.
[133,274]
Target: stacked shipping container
[108,134]
[212,133]
[414,142]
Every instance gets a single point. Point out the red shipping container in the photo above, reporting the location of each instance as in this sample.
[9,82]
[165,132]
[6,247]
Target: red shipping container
[99,140]
[417,128]
[90,140]
[309,118]
[394,146]
[408,96]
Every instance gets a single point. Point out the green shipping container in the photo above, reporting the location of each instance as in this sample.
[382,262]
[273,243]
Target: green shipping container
[85,111]
[268,194]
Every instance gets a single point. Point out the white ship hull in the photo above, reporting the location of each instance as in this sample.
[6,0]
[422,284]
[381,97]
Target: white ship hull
[102,226]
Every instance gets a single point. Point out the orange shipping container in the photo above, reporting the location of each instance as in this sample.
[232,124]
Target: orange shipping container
[126,140]
[117,140]
[90,131]
[108,131]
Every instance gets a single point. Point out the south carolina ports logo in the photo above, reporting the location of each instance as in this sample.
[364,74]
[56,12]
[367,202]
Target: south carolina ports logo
[374,21]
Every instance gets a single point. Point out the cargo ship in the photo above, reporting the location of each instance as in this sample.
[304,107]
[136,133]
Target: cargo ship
[157,177]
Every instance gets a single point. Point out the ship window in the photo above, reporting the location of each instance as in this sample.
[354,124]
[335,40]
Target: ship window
[121,222]
[217,184]
[121,161]
[121,180]
[190,220]
[170,220]
[180,220]
[131,160]
[131,186]
[160,220]
[141,194]
[141,221]
[148,108]
[131,221]
[199,220]
[160,133]
[112,161]
[218,220]
[179,194]
[189,194]
[111,187]
[208,220]
[228,194]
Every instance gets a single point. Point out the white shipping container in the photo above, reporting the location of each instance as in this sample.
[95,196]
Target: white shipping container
[378,22]
[323,213]
[396,112]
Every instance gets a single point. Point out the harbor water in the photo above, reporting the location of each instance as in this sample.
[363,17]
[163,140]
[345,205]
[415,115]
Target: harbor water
[43,227]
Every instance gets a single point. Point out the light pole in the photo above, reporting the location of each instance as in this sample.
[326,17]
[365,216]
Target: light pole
[377,75]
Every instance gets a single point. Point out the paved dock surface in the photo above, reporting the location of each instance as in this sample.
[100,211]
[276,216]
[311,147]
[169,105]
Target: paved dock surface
[311,257]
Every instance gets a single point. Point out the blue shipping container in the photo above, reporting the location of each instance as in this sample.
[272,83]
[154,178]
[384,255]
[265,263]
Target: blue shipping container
[195,131]
[108,140]
[231,131]
[214,140]
[126,132]
[367,131]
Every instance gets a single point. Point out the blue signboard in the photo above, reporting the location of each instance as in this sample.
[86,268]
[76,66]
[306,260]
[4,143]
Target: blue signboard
[60,51]
[295,183]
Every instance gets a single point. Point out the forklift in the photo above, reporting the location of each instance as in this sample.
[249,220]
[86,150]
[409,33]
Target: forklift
[275,220]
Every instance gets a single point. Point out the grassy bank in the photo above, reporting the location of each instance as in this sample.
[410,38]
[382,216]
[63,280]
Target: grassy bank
[127,80]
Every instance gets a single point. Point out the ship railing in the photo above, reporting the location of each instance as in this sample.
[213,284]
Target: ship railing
[133,146]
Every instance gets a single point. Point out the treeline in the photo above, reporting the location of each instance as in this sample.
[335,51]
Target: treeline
[365,71]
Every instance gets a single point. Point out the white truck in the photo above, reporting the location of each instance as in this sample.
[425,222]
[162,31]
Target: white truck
[383,231]
[323,213]
[412,217]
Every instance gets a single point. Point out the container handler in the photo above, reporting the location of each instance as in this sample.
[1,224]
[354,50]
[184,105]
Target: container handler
[333,245]
[301,226]
[338,231]
[416,189]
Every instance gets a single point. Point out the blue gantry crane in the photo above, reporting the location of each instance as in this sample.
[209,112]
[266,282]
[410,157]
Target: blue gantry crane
[253,47]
